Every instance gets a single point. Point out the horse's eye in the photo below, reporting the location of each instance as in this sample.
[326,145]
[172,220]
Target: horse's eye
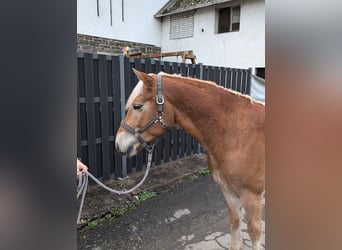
[137,106]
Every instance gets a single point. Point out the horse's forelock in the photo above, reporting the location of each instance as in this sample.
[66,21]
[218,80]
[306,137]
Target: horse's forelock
[136,92]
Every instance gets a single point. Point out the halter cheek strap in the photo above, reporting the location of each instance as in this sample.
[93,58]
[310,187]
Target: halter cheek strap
[158,117]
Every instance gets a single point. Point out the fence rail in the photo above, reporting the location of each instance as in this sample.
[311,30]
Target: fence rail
[104,84]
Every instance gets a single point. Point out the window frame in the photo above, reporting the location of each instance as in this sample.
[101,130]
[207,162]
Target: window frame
[218,14]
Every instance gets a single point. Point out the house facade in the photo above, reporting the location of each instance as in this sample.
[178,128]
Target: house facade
[229,33]
[220,32]
[106,27]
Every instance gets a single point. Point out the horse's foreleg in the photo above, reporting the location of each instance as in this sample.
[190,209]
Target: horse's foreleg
[253,207]
[234,207]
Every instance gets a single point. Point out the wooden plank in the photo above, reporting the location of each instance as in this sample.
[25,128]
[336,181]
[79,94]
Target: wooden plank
[174,143]
[204,73]
[118,160]
[225,79]
[216,75]
[237,86]
[249,79]
[175,68]
[222,76]
[90,109]
[239,80]
[234,79]
[188,54]
[97,115]
[82,153]
[210,73]
[110,113]
[104,116]
[183,69]
[229,78]
[138,66]
[190,70]
[189,147]
[182,143]
[244,81]
[197,71]
[79,148]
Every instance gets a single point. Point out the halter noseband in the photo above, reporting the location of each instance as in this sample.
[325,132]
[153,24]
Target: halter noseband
[158,117]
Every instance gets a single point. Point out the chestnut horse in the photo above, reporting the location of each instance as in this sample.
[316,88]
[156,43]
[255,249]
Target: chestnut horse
[229,125]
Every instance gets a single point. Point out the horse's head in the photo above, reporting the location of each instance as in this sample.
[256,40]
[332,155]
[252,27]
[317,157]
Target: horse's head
[145,120]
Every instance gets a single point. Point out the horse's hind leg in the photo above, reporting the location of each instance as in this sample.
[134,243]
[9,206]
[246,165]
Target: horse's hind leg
[234,207]
[253,207]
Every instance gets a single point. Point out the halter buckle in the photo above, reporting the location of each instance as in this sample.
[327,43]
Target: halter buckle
[160,99]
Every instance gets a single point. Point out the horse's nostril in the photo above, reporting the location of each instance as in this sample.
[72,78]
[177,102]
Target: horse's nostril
[117,147]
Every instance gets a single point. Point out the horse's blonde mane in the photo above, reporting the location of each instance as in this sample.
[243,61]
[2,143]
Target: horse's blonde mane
[139,88]
[252,100]
[135,93]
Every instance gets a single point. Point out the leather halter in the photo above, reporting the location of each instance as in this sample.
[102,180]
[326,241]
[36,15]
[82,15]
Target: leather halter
[158,117]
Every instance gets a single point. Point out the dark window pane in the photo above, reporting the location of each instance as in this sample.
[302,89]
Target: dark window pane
[235,26]
[260,72]
[224,20]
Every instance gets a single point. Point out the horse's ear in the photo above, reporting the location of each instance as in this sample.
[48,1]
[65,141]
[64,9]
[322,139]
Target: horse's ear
[147,80]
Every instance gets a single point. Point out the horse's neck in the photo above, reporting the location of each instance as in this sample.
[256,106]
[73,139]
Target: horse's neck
[198,109]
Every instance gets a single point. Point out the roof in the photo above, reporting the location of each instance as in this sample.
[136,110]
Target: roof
[178,6]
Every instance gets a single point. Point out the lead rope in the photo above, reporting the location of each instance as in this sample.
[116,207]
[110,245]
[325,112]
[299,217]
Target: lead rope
[83,182]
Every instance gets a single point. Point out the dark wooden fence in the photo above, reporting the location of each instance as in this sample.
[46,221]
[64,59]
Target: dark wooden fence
[104,84]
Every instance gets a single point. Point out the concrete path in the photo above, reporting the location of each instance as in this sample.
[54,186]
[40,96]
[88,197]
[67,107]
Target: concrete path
[191,215]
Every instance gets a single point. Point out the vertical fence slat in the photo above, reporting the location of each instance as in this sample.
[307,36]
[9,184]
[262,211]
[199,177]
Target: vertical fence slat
[90,109]
[244,81]
[117,109]
[175,143]
[234,79]
[104,115]
[79,148]
[216,75]
[229,78]
[205,72]
[249,79]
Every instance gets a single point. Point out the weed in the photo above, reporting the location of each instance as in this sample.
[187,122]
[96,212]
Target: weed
[119,211]
[93,223]
[191,177]
[204,172]
[146,195]
[132,206]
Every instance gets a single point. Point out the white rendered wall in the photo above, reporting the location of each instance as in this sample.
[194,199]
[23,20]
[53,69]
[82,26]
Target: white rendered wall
[139,25]
[258,88]
[242,49]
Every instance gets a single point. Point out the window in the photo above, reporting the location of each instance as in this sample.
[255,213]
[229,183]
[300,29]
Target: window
[228,19]
[260,72]
[182,25]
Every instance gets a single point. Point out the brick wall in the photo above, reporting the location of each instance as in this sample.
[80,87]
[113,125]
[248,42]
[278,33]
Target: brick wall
[100,45]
